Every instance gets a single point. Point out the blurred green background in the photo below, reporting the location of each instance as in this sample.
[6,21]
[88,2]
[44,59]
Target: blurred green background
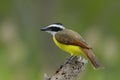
[26,53]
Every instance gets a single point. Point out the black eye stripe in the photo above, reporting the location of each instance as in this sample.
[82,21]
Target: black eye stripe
[55,28]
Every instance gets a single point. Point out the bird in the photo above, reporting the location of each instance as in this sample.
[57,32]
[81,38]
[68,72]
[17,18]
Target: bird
[71,42]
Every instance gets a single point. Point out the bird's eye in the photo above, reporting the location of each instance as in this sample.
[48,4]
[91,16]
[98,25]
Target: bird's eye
[53,28]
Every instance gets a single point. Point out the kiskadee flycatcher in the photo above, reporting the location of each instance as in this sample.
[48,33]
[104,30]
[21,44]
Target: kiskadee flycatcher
[71,42]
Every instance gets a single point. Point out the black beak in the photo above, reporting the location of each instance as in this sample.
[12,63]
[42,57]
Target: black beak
[44,29]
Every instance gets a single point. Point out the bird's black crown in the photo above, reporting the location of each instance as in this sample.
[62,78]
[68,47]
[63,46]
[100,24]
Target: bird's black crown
[58,23]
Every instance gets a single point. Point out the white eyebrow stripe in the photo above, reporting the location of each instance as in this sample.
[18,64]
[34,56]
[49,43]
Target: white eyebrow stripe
[59,26]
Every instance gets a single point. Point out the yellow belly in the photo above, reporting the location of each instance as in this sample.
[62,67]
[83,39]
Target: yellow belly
[73,50]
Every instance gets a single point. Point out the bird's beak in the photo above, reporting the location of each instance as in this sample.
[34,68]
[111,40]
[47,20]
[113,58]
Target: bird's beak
[44,29]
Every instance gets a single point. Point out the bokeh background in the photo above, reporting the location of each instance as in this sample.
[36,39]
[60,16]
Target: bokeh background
[26,53]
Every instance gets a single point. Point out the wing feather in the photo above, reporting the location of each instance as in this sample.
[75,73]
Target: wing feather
[70,37]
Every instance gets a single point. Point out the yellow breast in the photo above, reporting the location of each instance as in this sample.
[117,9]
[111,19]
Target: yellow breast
[73,50]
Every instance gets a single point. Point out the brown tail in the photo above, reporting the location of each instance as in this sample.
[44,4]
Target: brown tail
[92,58]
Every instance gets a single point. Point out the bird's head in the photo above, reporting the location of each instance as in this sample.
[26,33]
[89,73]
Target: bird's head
[53,28]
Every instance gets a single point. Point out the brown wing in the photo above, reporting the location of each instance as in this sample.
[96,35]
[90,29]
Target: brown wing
[70,37]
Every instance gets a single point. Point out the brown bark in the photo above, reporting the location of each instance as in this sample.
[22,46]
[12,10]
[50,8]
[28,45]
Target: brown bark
[70,70]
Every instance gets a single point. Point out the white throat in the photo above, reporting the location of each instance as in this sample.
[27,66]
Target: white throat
[53,33]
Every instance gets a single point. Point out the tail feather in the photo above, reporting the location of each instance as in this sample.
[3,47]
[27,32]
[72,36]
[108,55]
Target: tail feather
[92,58]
